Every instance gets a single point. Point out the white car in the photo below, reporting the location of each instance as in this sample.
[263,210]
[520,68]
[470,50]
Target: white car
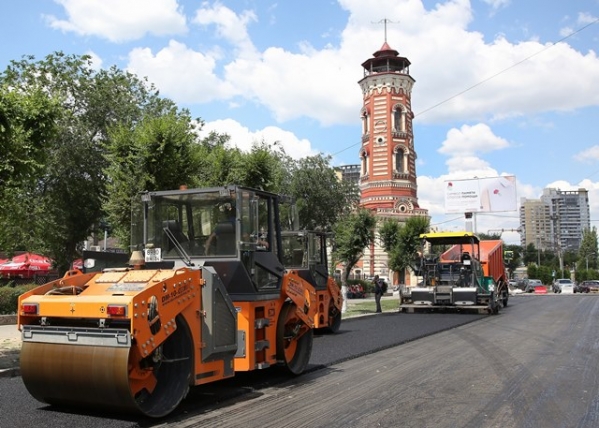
[514,290]
[564,286]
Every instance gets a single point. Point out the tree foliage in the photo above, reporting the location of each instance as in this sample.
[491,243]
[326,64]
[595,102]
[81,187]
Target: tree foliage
[67,191]
[354,232]
[588,252]
[515,261]
[320,196]
[401,241]
[79,143]
[27,128]
[159,153]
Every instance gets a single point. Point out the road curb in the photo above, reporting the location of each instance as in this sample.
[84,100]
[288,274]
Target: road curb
[8,319]
[12,372]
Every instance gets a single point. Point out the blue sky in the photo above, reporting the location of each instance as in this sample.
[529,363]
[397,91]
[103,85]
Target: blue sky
[502,86]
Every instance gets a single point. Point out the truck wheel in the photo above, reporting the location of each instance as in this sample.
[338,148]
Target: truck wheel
[294,340]
[335,321]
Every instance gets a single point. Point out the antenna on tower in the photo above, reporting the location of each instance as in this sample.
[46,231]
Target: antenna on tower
[386,21]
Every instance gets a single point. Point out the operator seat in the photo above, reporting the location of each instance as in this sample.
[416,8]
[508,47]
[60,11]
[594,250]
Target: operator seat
[175,228]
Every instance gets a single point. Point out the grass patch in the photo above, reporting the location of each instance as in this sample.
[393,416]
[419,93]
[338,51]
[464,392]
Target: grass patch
[369,307]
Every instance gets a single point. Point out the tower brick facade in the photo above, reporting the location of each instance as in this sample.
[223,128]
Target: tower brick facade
[387,155]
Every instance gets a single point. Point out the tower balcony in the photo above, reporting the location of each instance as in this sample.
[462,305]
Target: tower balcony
[401,175]
[365,138]
[399,134]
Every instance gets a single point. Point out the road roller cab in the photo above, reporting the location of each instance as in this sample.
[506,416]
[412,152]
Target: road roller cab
[204,295]
[305,252]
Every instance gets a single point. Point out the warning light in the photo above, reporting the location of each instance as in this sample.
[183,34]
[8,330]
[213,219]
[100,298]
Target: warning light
[29,308]
[116,310]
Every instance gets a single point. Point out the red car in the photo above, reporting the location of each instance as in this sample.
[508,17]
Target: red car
[589,286]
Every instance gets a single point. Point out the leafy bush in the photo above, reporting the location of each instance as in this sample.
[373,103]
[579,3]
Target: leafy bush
[9,297]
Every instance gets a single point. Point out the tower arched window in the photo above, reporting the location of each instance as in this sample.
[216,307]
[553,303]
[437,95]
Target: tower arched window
[399,167]
[364,163]
[364,116]
[399,118]
[400,159]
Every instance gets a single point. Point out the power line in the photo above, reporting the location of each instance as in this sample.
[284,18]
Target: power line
[490,77]
[506,69]
[447,221]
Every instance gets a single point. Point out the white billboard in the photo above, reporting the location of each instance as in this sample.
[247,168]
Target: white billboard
[492,194]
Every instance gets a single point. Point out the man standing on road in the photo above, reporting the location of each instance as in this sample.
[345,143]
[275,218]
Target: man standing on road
[378,293]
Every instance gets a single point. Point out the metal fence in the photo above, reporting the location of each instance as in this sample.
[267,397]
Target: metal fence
[37,279]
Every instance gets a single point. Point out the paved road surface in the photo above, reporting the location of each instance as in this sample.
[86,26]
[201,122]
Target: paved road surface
[534,365]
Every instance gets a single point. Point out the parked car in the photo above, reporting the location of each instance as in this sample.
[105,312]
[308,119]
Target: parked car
[513,287]
[581,287]
[563,285]
[531,284]
[521,283]
[588,286]
[593,286]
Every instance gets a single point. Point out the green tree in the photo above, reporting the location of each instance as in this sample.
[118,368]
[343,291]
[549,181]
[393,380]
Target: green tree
[159,153]
[588,252]
[530,254]
[515,260]
[262,167]
[321,197]
[69,190]
[488,237]
[354,232]
[401,241]
[27,127]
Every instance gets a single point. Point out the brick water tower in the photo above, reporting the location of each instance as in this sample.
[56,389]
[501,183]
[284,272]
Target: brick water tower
[387,154]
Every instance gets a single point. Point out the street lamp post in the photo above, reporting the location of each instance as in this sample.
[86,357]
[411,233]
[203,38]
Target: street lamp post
[587,259]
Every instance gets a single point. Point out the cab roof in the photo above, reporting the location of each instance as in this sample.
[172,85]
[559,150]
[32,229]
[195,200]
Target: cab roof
[450,238]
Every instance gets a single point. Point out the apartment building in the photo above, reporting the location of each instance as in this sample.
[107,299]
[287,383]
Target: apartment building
[556,221]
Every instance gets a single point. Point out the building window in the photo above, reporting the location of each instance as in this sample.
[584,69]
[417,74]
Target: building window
[364,162]
[400,159]
[364,115]
[399,118]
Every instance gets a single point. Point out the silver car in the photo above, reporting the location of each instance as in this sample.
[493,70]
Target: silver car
[562,283]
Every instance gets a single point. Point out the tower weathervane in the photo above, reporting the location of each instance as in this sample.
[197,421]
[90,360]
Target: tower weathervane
[386,21]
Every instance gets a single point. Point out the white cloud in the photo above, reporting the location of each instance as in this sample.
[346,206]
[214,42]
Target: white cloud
[438,36]
[118,20]
[471,139]
[590,155]
[482,80]
[96,60]
[185,75]
[497,4]
[447,57]
[230,26]
[586,18]
[244,138]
